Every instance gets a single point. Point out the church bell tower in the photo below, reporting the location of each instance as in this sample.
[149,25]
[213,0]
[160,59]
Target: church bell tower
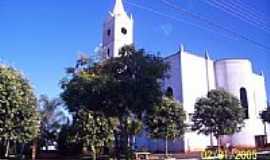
[117,31]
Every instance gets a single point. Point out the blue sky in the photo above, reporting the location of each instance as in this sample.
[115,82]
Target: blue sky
[43,37]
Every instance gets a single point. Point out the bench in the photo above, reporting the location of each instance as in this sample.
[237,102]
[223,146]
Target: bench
[142,155]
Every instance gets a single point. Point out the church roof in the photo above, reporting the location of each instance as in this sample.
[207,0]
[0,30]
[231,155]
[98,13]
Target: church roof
[232,59]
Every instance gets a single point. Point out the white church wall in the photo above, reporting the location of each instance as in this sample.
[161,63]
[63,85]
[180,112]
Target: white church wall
[211,74]
[196,142]
[145,143]
[246,138]
[260,97]
[108,25]
[196,81]
[174,80]
[107,40]
[121,39]
[259,94]
[191,77]
[117,31]
[268,132]
[231,75]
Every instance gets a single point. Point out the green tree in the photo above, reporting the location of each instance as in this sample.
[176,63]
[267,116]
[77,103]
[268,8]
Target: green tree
[92,130]
[219,113]
[166,121]
[120,87]
[66,142]
[265,116]
[134,127]
[52,118]
[19,119]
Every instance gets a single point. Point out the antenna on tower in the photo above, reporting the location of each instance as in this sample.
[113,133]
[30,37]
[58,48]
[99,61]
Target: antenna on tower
[206,54]
[182,48]
[262,74]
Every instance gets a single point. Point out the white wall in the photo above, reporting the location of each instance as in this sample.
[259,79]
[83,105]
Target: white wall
[120,39]
[259,93]
[174,80]
[197,79]
[231,75]
[117,39]
[194,79]
[191,77]
[143,142]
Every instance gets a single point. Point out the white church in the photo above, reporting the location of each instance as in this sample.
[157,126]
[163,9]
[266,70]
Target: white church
[191,77]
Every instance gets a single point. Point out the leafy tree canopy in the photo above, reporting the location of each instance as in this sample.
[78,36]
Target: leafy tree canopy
[219,113]
[265,115]
[119,86]
[166,120]
[18,107]
[53,117]
[93,129]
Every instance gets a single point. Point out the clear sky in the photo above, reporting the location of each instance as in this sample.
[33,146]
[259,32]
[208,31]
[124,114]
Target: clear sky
[43,37]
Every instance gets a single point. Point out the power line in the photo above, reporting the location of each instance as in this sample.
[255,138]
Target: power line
[210,23]
[245,17]
[233,34]
[242,16]
[177,19]
[254,12]
[252,8]
[245,10]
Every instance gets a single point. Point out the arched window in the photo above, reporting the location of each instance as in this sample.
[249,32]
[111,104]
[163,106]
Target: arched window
[169,92]
[108,52]
[108,32]
[244,100]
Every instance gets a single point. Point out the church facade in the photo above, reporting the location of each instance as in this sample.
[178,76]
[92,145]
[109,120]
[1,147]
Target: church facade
[191,77]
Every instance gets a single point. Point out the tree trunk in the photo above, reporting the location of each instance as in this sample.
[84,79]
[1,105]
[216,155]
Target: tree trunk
[218,141]
[166,147]
[116,147]
[125,137]
[130,143]
[21,150]
[264,125]
[94,152]
[133,142]
[211,140]
[126,140]
[7,149]
[1,149]
[265,132]
[34,149]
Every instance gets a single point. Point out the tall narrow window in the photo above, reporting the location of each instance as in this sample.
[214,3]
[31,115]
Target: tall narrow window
[244,100]
[169,92]
[108,32]
[108,52]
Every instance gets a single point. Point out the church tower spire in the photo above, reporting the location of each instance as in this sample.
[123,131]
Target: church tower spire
[117,31]
[118,8]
